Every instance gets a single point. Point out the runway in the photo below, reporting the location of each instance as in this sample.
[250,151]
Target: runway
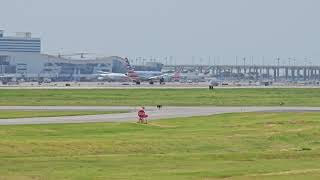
[131,116]
[144,85]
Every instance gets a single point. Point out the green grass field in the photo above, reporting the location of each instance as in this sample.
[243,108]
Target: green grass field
[230,146]
[167,97]
[30,114]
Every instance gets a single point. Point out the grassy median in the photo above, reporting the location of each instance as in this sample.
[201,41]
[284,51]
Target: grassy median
[167,97]
[230,146]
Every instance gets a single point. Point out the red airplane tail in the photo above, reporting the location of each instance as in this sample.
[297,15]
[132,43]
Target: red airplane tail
[176,76]
[131,73]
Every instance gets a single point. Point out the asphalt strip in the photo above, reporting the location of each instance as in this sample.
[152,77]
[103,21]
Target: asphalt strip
[153,112]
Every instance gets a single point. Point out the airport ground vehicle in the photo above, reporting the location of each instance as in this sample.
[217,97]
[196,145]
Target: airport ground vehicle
[213,83]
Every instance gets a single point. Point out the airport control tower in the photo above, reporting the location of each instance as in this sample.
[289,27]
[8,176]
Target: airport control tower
[22,42]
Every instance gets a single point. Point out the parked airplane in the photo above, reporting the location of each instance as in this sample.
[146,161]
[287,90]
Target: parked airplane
[135,76]
[105,76]
[165,77]
[189,77]
[138,76]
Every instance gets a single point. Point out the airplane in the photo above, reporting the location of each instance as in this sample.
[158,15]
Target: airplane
[135,76]
[106,76]
[148,74]
[166,77]
[138,76]
[189,77]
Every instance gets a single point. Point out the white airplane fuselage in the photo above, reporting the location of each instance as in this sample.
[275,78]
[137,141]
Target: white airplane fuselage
[112,77]
[146,75]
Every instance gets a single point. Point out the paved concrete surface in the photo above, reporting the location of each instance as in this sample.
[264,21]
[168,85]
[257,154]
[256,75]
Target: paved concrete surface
[155,114]
[144,85]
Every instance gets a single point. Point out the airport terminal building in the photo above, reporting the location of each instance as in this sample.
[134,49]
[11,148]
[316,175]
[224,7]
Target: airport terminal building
[21,59]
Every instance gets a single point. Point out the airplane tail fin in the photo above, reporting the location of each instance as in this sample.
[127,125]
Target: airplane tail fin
[131,73]
[176,76]
[128,66]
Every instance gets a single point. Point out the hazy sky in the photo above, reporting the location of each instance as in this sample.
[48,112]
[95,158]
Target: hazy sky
[178,28]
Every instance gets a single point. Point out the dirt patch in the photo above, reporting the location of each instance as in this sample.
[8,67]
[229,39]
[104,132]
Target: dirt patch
[161,125]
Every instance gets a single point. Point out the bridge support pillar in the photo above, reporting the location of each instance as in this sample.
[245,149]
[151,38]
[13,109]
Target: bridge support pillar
[275,74]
